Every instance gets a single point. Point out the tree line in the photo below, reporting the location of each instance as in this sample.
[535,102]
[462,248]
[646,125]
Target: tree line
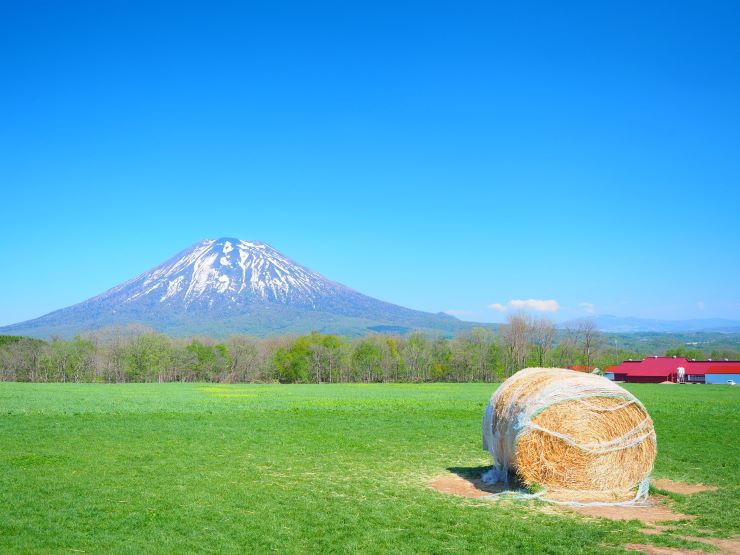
[133,354]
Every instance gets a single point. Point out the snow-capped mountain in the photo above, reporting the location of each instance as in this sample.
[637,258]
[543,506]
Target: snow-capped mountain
[224,274]
[229,285]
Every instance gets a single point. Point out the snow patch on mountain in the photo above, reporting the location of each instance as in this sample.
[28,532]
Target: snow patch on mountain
[227,272]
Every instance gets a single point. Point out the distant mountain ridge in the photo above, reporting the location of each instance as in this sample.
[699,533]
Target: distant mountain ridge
[229,285]
[619,324]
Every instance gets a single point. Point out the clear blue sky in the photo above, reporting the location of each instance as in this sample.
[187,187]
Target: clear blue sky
[439,156]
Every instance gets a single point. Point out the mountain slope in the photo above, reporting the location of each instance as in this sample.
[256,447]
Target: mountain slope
[619,324]
[232,286]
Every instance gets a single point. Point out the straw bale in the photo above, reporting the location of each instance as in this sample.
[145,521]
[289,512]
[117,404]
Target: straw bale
[570,432]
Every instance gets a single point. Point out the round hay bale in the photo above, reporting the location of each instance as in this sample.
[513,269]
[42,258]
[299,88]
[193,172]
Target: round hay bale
[570,432]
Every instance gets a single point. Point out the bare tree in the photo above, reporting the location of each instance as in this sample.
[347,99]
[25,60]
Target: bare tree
[320,360]
[244,359]
[542,332]
[23,361]
[416,356]
[566,351]
[515,342]
[589,339]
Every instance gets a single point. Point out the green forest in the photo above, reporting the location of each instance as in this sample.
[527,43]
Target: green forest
[134,354]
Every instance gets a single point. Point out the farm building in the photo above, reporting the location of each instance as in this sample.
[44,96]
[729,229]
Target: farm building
[723,372]
[675,369]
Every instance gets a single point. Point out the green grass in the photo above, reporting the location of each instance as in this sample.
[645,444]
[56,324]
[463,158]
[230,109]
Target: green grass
[182,468]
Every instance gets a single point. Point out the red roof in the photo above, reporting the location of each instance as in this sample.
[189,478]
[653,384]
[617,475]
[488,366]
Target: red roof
[729,367]
[653,366]
[705,366]
[665,366]
[582,368]
[699,366]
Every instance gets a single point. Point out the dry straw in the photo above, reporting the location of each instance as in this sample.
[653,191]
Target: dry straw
[580,436]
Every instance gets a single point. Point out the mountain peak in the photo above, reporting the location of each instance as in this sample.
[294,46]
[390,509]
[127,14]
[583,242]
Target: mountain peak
[248,284]
[221,273]
[236,241]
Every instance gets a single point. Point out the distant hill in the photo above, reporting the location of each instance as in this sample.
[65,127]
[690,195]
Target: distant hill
[637,325]
[223,286]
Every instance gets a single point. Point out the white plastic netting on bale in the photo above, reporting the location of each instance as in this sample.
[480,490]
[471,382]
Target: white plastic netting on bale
[579,437]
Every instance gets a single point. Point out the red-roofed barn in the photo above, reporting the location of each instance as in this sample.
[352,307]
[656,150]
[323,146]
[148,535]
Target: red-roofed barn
[675,369]
[723,372]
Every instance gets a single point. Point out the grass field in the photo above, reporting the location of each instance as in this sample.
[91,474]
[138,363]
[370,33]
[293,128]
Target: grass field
[182,468]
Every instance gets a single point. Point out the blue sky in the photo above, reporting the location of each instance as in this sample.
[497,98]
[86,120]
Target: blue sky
[439,156]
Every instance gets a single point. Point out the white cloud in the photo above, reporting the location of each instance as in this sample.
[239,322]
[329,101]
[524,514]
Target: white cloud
[588,308]
[538,305]
[498,307]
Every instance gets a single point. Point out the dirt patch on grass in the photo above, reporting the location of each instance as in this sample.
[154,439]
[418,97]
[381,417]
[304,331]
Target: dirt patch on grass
[680,487]
[651,512]
[457,485]
[726,546]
